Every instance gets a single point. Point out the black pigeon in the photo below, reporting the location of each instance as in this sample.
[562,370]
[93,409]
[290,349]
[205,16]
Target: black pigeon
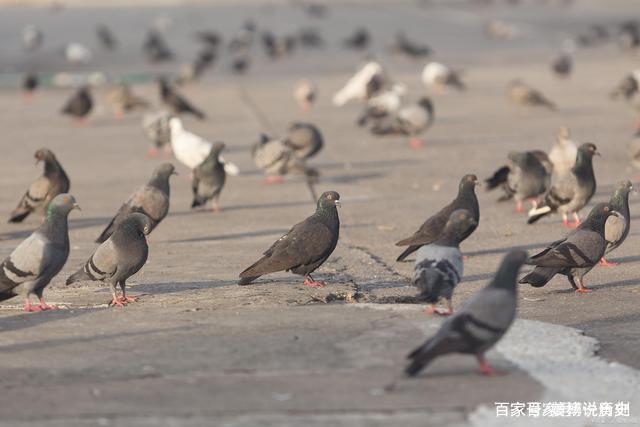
[152,199]
[209,178]
[616,229]
[410,48]
[119,257]
[479,325]
[210,38]
[42,191]
[106,37]
[305,247]
[40,257]
[432,228]
[575,255]
[30,83]
[310,37]
[155,47]
[359,40]
[80,105]
[572,191]
[176,102]
[562,65]
[240,65]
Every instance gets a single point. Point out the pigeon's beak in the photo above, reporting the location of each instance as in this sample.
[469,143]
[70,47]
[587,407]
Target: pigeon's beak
[76,206]
[337,203]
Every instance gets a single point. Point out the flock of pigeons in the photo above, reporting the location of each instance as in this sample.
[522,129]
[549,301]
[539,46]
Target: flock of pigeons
[561,181]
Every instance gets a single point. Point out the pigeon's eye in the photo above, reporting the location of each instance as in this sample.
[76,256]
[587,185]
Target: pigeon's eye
[329,196]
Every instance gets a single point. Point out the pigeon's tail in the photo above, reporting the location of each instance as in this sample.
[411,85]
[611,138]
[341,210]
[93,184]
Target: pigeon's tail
[19,215]
[78,276]
[498,178]
[246,280]
[537,213]
[420,358]
[254,271]
[407,252]
[199,114]
[198,201]
[388,129]
[107,232]
[548,104]
[428,279]
[7,287]
[539,276]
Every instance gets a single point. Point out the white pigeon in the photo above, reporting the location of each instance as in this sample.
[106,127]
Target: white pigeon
[77,53]
[364,84]
[191,150]
[440,76]
[384,104]
[563,153]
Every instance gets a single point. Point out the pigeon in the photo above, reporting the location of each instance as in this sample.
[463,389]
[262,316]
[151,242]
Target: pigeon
[563,153]
[277,46]
[385,104]
[432,228]
[527,176]
[571,192]
[305,247]
[152,199]
[30,83]
[441,77]
[156,126]
[628,87]
[411,120]
[123,100]
[628,37]
[276,158]
[305,94]
[410,48]
[367,82]
[77,53]
[240,64]
[359,40]
[209,178]
[310,37]
[193,71]
[242,41]
[438,268]
[106,37]
[616,229]
[479,324]
[304,139]
[522,94]
[32,38]
[40,257]
[634,150]
[575,255]
[119,257]
[176,102]
[562,65]
[155,47]
[500,30]
[43,190]
[211,39]
[79,105]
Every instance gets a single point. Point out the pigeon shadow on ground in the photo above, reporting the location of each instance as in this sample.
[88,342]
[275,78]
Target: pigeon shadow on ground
[492,251]
[608,321]
[475,277]
[233,236]
[614,284]
[176,287]
[348,179]
[283,203]
[365,164]
[28,320]
[79,223]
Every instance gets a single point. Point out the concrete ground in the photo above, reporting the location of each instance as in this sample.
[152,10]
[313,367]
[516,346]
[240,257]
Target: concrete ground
[197,349]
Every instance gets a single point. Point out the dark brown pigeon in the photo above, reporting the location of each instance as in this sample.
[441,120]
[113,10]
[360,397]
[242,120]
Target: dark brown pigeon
[80,105]
[305,247]
[176,102]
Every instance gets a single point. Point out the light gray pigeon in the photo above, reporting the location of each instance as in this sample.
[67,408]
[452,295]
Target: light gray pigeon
[277,159]
[527,176]
[304,139]
[152,199]
[575,255]
[411,120]
[209,178]
[40,257]
[53,181]
[121,256]
[616,229]
[571,192]
[563,153]
[439,267]
[156,127]
[479,324]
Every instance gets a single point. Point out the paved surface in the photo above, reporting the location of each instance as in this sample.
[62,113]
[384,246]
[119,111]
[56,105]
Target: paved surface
[197,347]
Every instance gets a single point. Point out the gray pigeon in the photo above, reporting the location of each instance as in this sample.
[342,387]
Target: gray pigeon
[479,324]
[571,192]
[439,267]
[156,126]
[54,181]
[121,256]
[152,199]
[209,178]
[304,139]
[616,229]
[277,159]
[526,177]
[411,120]
[575,255]
[40,257]
[522,94]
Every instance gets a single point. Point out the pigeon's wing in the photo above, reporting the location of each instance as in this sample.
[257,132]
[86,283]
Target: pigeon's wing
[35,196]
[230,168]
[582,248]
[272,156]
[149,201]
[25,264]
[614,229]
[562,191]
[104,261]
[430,230]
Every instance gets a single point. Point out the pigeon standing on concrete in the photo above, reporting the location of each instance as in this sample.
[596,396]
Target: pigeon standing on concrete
[563,153]
[571,192]
[121,256]
[156,126]
[526,177]
[359,40]
[383,105]
[305,93]
[176,102]
[276,158]
[479,324]
[80,105]
[367,82]
[441,77]
[304,139]
[305,247]
[562,65]
[628,86]
[155,47]
[30,83]
[209,178]
[106,37]
[123,100]
[575,255]
[40,257]
[432,228]
[42,191]
[439,266]
[412,120]
[616,229]
[524,95]
[152,199]
[409,47]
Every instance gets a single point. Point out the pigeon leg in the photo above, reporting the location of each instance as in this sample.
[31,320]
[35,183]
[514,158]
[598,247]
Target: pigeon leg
[168,152]
[565,220]
[216,206]
[44,306]
[605,263]
[430,309]
[486,369]
[152,153]
[116,301]
[416,143]
[270,180]
[449,306]
[534,203]
[125,299]
[576,218]
[30,308]
[308,281]
[581,289]
[519,208]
